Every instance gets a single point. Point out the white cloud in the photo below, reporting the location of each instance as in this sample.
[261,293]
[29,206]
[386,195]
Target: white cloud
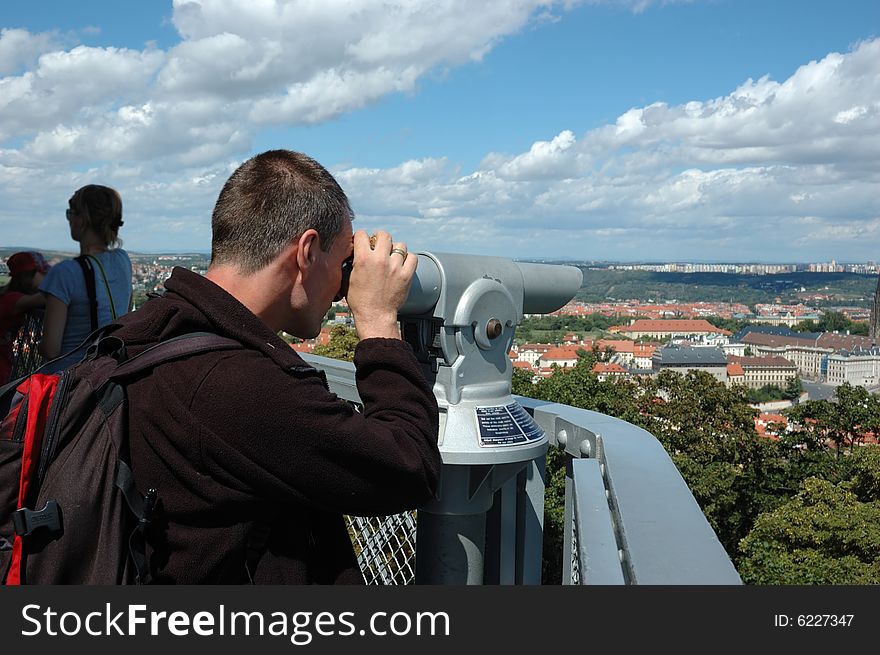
[19,48]
[733,173]
[553,159]
[739,171]
[73,88]
[244,61]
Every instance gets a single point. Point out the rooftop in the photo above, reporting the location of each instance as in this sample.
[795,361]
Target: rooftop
[674,354]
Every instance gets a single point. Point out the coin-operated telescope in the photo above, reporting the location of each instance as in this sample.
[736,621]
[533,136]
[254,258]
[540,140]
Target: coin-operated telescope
[460,317]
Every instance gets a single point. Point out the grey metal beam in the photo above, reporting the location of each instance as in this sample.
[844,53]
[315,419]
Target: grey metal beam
[597,549]
[664,534]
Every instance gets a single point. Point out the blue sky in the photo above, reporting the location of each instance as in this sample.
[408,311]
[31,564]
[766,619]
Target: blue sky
[725,130]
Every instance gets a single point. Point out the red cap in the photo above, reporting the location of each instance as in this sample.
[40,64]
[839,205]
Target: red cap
[22,262]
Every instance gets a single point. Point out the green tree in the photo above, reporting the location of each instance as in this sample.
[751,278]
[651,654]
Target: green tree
[521,384]
[825,535]
[731,324]
[709,431]
[343,341]
[859,328]
[766,394]
[793,389]
[832,321]
[844,423]
[808,325]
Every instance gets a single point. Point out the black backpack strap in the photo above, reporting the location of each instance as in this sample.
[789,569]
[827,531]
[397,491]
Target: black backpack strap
[110,394]
[142,507]
[89,274]
[257,543]
[174,348]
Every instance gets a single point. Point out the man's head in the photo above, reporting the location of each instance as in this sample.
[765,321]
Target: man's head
[270,201]
[281,232]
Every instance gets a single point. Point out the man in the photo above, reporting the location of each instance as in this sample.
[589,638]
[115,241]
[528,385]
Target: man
[254,460]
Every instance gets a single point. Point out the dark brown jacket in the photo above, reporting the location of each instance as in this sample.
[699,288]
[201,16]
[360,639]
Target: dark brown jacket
[238,438]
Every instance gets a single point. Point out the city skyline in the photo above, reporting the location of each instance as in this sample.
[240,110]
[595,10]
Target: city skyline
[871,266]
[628,131]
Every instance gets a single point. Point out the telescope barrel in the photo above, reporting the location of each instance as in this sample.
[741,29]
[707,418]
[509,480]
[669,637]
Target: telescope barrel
[425,289]
[546,287]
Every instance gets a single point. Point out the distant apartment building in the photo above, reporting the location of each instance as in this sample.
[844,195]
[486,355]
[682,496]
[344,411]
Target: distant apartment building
[682,359]
[860,367]
[667,329]
[606,370]
[809,352]
[623,350]
[643,354]
[531,352]
[571,339]
[786,319]
[562,357]
[761,371]
[788,315]
[629,353]
[735,374]
[732,348]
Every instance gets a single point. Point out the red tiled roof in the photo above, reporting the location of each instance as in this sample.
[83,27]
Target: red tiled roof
[762,422]
[605,367]
[750,362]
[843,341]
[668,326]
[560,354]
[618,345]
[536,347]
[735,370]
[762,339]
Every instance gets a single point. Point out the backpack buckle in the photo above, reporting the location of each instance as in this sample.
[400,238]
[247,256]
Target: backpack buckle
[27,521]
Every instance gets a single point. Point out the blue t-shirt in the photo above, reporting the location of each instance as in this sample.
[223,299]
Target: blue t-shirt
[66,282]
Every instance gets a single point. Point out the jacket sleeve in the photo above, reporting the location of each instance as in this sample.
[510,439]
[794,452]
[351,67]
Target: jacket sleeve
[283,435]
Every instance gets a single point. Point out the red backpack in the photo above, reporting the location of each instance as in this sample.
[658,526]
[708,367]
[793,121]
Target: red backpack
[70,512]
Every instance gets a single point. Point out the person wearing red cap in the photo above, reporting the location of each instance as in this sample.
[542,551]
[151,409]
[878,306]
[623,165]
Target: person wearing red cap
[26,269]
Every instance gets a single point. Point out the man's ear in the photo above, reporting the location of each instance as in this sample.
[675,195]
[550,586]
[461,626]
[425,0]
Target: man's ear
[308,246]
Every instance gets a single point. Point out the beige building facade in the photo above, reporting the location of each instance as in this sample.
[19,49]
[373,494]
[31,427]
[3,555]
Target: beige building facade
[761,371]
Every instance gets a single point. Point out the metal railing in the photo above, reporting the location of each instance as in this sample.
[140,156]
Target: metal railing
[629,515]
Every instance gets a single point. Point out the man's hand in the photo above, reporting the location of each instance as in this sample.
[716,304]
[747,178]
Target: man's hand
[379,284]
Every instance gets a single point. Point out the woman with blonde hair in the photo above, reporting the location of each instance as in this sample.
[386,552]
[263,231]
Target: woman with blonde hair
[72,313]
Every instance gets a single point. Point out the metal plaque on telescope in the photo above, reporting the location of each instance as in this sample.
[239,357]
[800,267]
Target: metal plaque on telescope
[506,425]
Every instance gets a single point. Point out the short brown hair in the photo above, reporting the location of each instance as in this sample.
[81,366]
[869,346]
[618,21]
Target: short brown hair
[101,207]
[270,200]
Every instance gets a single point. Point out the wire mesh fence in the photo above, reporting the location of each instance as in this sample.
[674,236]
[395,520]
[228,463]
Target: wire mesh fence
[25,358]
[385,547]
[575,551]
